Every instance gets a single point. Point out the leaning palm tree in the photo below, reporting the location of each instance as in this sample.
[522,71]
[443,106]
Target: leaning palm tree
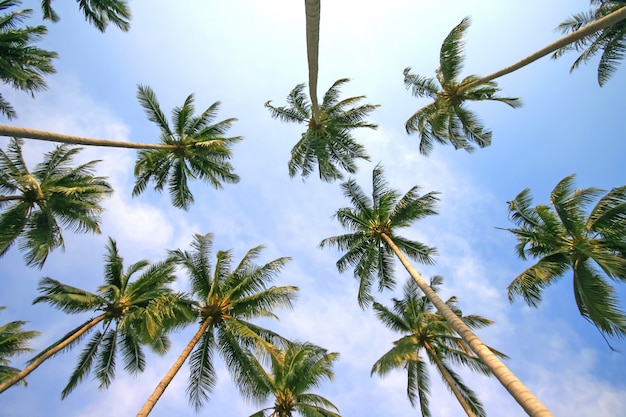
[294,371]
[425,330]
[194,148]
[327,142]
[13,341]
[609,42]
[370,248]
[460,128]
[446,119]
[564,237]
[224,300]
[22,65]
[38,203]
[97,12]
[132,314]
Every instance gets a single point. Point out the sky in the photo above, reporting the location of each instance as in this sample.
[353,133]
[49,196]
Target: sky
[246,52]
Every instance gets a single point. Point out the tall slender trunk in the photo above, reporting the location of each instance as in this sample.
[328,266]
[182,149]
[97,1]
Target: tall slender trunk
[599,24]
[169,376]
[312,9]
[20,132]
[446,376]
[41,359]
[513,385]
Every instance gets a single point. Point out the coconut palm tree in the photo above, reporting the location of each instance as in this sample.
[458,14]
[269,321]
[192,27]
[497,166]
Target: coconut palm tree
[22,64]
[609,42]
[294,371]
[563,238]
[370,248]
[194,148]
[132,314]
[425,330]
[97,12]
[327,141]
[224,300]
[200,150]
[13,341]
[441,121]
[55,194]
[446,119]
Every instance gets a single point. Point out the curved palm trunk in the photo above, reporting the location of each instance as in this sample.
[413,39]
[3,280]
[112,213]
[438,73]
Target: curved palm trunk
[20,132]
[599,24]
[35,364]
[449,381]
[513,385]
[312,9]
[160,388]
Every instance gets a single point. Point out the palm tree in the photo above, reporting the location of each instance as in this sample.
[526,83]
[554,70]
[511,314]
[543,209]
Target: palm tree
[564,237]
[132,313]
[13,341]
[327,141]
[294,371]
[426,330]
[22,65]
[97,12]
[195,148]
[200,150]
[39,202]
[433,122]
[446,119]
[370,249]
[224,300]
[609,42]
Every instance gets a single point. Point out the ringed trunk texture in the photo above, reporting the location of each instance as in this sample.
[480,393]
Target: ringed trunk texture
[35,364]
[449,381]
[20,132]
[169,376]
[599,24]
[312,9]
[513,385]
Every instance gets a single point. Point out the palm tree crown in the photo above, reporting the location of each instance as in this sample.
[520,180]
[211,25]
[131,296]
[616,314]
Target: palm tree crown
[39,202]
[370,221]
[447,120]
[609,42]
[22,65]
[13,342]
[200,150]
[565,237]
[327,141]
[132,314]
[224,300]
[97,12]
[294,371]
[427,330]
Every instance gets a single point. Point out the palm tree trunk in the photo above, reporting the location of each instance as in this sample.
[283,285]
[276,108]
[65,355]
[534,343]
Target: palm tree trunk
[599,24]
[20,132]
[312,9]
[41,359]
[169,376]
[513,385]
[444,372]
[11,197]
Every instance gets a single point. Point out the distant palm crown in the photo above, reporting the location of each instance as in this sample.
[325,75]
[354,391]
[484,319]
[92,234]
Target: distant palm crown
[327,142]
[446,120]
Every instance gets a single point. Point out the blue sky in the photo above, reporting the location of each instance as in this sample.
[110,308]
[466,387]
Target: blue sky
[246,52]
